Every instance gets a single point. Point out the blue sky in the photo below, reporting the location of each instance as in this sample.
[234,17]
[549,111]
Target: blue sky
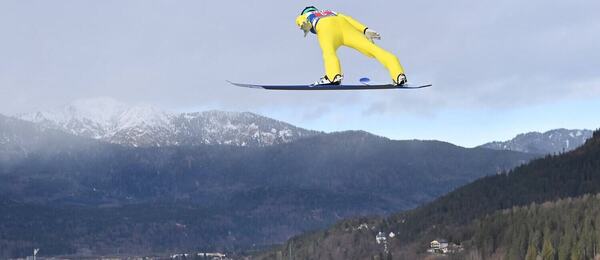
[499,68]
[466,127]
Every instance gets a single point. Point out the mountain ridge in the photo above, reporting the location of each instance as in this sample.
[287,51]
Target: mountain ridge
[300,185]
[549,142]
[109,120]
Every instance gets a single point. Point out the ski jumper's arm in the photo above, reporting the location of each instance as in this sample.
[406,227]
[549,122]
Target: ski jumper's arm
[356,24]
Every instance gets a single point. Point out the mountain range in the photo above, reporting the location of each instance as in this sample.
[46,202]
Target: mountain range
[550,142]
[109,120]
[218,197]
[141,179]
[140,126]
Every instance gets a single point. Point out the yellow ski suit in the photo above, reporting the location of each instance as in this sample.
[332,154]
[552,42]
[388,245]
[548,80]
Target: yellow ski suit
[334,30]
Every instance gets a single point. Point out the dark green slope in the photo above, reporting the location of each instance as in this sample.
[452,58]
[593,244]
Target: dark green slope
[562,176]
[563,229]
[251,195]
[567,175]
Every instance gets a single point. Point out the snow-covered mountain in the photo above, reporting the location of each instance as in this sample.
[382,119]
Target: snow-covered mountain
[109,120]
[553,141]
[19,138]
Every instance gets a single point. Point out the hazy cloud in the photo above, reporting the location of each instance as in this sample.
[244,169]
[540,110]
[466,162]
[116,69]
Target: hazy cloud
[478,54]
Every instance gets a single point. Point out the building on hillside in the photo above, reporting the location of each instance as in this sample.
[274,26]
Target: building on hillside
[208,256]
[442,246]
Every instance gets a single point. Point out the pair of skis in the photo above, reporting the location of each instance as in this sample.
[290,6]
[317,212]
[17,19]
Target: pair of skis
[364,86]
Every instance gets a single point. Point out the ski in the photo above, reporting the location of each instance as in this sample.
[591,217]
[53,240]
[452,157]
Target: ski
[329,87]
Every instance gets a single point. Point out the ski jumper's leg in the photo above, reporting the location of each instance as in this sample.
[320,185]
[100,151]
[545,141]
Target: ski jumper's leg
[330,39]
[357,40]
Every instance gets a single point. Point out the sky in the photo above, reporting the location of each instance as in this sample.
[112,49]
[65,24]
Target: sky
[499,68]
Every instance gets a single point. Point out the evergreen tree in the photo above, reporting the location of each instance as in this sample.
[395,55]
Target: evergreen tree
[531,252]
[547,250]
[576,253]
[564,249]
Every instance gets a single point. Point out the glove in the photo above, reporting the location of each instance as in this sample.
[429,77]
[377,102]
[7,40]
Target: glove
[372,35]
[306,27]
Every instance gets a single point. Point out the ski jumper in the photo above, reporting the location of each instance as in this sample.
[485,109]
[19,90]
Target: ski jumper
[334,30]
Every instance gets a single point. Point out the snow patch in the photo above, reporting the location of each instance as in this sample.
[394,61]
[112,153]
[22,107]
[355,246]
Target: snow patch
[143,116]
[143,125]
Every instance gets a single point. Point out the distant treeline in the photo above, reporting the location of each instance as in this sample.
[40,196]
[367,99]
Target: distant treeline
[567,229]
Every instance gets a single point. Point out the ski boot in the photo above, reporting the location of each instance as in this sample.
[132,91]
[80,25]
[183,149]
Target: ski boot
[400,80]
[324,81]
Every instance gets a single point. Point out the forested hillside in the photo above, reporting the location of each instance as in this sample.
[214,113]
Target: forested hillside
[563,229]
[566,175]
[246,196]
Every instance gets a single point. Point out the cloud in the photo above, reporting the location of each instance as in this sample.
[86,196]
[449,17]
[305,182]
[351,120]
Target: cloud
[316,112]
[480,55]
[375,108]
